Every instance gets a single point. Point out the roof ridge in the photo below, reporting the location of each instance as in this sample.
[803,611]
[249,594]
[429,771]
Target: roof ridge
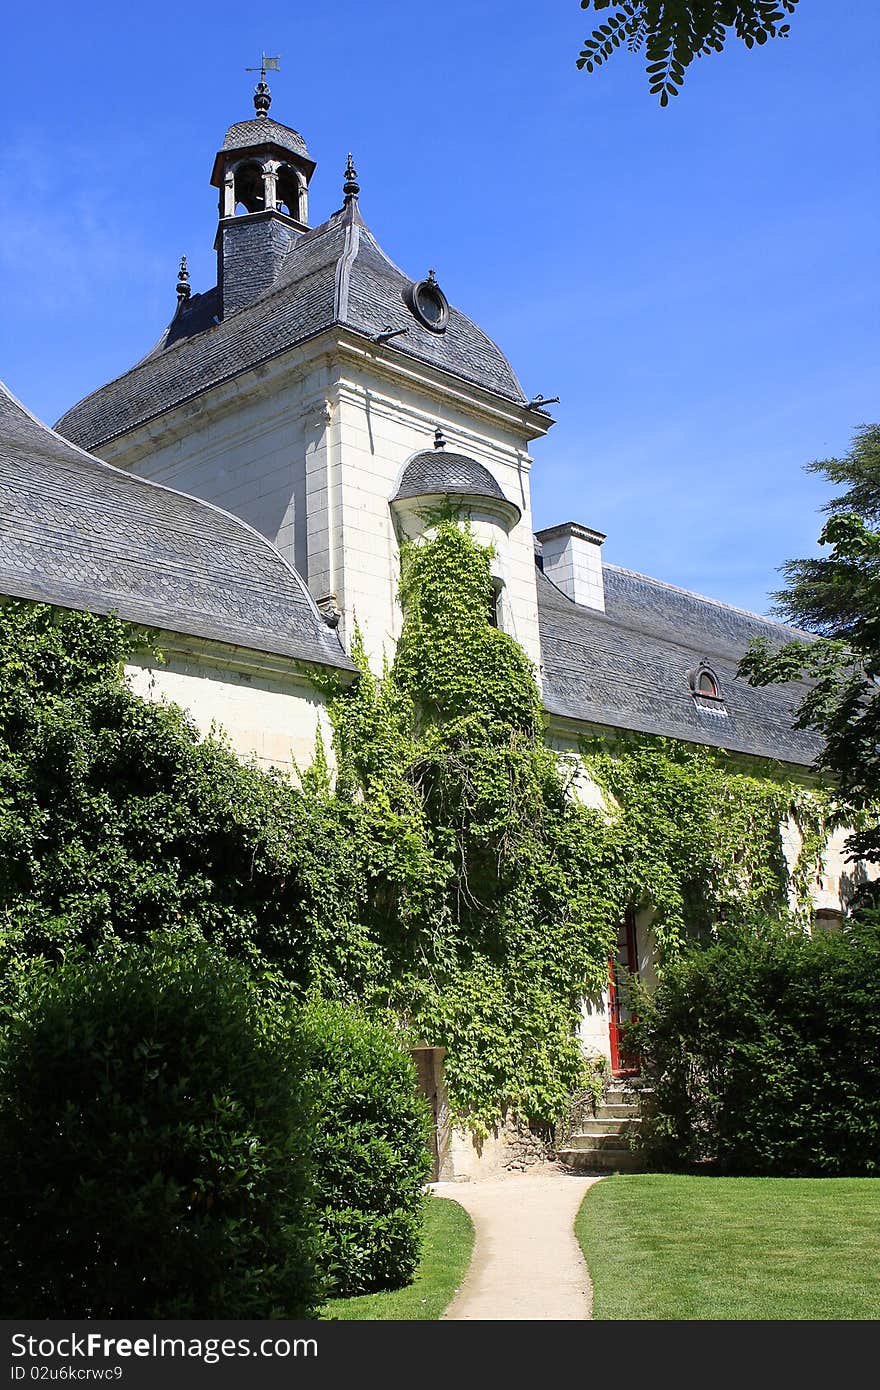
[704,598]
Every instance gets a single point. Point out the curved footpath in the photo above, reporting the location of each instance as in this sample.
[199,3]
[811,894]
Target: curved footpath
[527,1264]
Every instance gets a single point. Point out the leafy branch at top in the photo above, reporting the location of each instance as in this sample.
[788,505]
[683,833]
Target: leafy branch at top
[674,32]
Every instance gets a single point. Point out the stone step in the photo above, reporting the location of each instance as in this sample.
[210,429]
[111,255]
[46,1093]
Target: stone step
[598,1141]
[602,1160]
[607,1125]
[630,1111]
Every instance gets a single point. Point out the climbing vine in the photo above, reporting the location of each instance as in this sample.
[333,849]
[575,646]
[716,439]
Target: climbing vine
[704,839]
[496,893]
[438,864]
[482,874]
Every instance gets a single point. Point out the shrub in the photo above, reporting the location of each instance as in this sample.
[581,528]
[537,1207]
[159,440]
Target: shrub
[152,1143]
[370,1150]
[118,819]
[764,1051]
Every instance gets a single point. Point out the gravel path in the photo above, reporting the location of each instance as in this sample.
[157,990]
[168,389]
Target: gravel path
[527,1264]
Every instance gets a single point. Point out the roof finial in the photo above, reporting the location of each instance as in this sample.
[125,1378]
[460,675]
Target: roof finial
[351,188]
[439,438]
[183,286]
[262,94]
[432,276]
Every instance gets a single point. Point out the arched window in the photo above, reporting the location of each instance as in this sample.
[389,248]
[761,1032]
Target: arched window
[287,192]
[705,685]
[249,187]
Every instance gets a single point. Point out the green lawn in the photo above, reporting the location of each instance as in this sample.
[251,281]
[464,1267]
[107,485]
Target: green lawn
[662,1246]
[446,1254]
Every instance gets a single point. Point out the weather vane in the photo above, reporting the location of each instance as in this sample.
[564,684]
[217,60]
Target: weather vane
[267,65]
[262,94]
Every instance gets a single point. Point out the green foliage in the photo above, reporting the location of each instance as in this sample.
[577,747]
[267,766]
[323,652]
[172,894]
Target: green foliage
[484,882]
[837,597]
[447,1243]
[446,875]
[117,819]
[764,1052]
[490,893]
[700,838]
[153,1142]
[674,32]
[369,1150]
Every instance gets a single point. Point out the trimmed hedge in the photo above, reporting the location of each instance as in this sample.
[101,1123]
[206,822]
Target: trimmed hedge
[370,1150]
[764,1053]
[153,1144]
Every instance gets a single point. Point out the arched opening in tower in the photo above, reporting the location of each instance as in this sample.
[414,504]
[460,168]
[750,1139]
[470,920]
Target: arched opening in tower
[287,193]
[249,187]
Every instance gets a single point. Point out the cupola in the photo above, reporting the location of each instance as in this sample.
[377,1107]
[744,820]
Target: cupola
[262,172]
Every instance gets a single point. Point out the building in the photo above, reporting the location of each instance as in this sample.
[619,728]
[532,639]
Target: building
[244,489]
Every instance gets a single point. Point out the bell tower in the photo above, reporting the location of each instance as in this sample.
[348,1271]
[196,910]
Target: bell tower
[262,172]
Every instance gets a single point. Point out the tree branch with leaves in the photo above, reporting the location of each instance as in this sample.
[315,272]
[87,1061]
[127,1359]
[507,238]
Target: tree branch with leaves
[671,33]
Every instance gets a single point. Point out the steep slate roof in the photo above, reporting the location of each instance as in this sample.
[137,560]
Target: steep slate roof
[334,274]
[80,534]
[627,667]
[440,471]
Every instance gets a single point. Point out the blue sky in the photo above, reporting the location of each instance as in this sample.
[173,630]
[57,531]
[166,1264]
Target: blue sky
[699,285]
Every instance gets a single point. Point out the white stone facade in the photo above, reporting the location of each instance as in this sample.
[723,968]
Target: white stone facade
[309,450]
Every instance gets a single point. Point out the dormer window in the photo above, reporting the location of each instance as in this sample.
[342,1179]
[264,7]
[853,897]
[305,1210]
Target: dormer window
[705,686]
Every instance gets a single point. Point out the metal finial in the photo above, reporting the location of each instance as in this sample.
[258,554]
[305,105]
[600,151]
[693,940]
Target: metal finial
[351,188]
[262,94]
[439,438]
[183,286]
[432,276]
[262,98]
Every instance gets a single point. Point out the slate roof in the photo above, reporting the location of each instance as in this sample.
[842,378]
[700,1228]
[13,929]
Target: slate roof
[261,130]
[80,534]
[333,274]
[627,668]
[441,471]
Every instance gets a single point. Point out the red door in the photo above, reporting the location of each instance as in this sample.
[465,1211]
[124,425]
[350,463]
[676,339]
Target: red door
[624,961]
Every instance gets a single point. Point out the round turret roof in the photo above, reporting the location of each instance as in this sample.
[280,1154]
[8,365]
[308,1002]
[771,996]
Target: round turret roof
[439,472]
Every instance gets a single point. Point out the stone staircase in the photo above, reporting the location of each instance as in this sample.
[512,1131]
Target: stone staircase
[606,1139]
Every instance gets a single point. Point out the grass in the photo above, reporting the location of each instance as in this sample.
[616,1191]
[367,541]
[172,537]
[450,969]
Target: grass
[446,1254]
[671,1247]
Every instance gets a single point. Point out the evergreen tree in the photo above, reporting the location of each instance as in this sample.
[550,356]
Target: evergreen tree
[837,597]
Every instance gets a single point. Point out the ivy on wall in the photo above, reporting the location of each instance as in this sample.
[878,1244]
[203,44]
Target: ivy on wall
[496,894]
[443,870]
[703,838]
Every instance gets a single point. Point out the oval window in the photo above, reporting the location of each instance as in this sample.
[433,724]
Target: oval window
[429,304]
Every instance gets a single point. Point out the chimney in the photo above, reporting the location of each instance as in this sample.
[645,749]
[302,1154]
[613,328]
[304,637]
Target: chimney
[572,556]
